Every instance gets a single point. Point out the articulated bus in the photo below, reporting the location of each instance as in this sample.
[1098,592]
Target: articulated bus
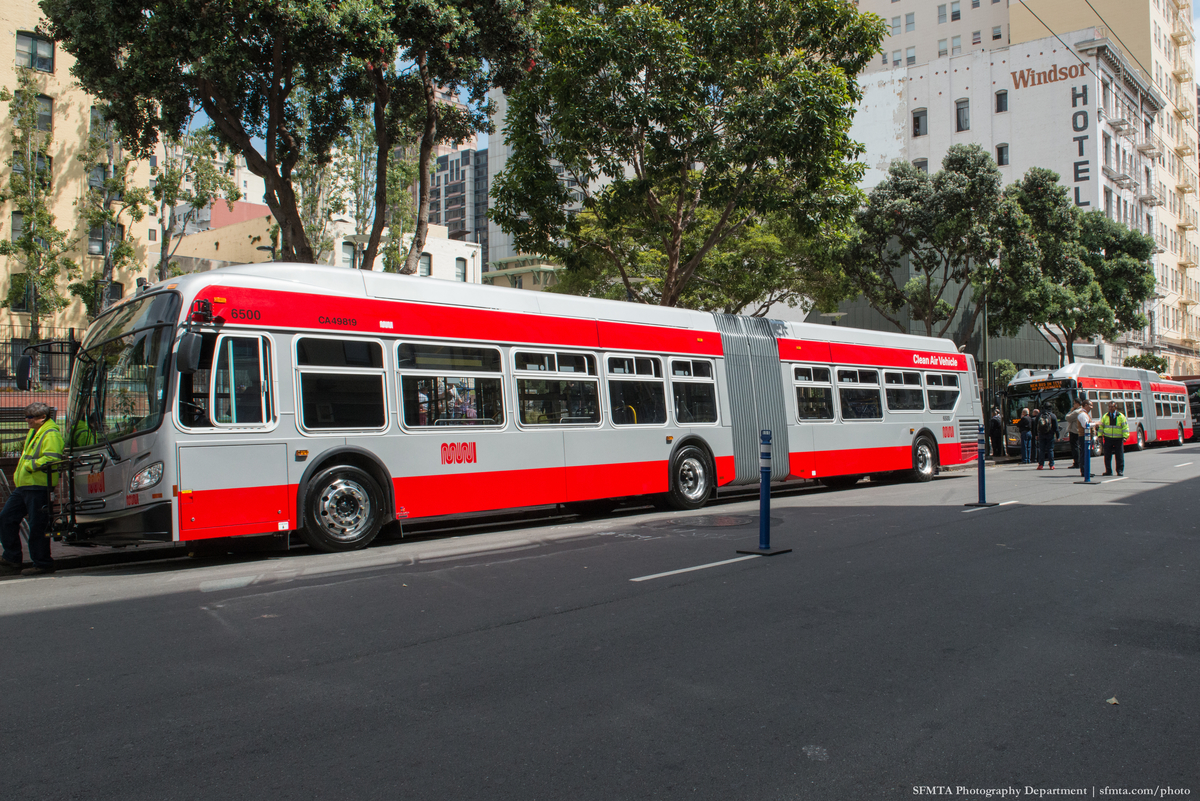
[1156,407]
[285,398]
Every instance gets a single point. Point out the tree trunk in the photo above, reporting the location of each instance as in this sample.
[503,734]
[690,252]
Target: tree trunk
[383,147]
[427,141]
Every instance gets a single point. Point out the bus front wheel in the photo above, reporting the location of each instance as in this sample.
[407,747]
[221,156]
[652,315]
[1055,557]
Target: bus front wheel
[1179,439]
[1140,443]
[924,459]
[691,479]
[343,510]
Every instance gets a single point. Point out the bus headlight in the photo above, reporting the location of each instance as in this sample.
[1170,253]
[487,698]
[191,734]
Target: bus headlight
[147,478]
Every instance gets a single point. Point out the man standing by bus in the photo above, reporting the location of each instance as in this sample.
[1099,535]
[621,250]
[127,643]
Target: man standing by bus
[31,498]
[1114,428]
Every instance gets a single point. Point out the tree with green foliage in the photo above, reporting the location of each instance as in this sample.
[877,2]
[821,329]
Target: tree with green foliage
[40,248]
[650,133]
[195,173]
[1005,372]
[1148,361]
[107,209]
[401,214]
[945,227]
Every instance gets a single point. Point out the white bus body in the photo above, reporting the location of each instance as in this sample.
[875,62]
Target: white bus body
[329,401]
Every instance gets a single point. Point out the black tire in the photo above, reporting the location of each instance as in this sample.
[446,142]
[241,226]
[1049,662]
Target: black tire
[1179,439]
[1139,440]
[692,479]
[343,510]
[840,482]
[924,459]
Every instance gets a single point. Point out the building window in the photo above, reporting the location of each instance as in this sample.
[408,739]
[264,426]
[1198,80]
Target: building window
[941,14]
[460,269]
[910,22]
[920,122]
[955,13]
[885,61]
[910,56]
[153,235]
[95,246]
[45,120]
[895,26]
[348,254]
[1108,203]
[996,33]
[1002,155]
[1001,101]
[425,264]
[18,225]
[35,52]
[895,58]
[974,3]
[943,47]
[1107,150]
[962,115]
[956,46]
[922,165]
[976,37]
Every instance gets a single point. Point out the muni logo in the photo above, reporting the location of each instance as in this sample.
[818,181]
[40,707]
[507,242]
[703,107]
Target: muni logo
[458,452]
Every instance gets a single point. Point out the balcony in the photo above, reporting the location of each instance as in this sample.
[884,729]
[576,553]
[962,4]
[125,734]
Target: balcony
[1186,225]
[1150,147]
[1119,178]
[1186,263]
[1185,185]
[1182,73]
[1184,112]
[1150,198]
[1184,149]
[1121,125]
[1183,35]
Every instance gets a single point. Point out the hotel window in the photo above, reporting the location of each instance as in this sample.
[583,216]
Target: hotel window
[910,22]
[962,115]
[996,33]
[895,26]
[35,52]
[955,13]
[976,37]
[943,48]
[885,61]
[920,122]
[1001,101]
[974,3]
[956,45]
[895,58]
[1002,155]
[910,56]
[45,113]
[922,165]
[425,265]
[941,14]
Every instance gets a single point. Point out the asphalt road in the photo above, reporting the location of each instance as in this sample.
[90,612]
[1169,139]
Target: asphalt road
[905,643]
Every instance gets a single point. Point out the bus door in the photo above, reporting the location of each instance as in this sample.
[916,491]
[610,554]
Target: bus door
[756,393]
[232,477]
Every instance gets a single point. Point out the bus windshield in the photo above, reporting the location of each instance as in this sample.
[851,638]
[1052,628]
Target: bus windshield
[1058,399]
[120,379]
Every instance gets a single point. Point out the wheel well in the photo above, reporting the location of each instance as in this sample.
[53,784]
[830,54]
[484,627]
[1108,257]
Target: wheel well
[352,457]
[692,439]
[925,433]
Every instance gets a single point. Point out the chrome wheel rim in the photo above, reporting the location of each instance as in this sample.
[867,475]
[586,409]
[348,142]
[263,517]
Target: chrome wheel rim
[344,510]
[692,478]
[1141,439]
[924,459]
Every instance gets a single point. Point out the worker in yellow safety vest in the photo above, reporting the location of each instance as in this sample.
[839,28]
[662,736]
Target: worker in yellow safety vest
[1114,430]
[35,477]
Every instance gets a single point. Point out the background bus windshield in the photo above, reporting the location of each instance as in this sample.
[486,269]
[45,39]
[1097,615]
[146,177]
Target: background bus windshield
[1019,398]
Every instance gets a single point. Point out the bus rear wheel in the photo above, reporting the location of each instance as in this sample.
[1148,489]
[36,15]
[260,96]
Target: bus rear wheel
[1139,443]
[1179,439]
[343,510]
[691,479]
[924,459]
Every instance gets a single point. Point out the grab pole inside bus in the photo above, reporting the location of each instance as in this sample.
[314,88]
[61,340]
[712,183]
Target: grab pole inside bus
[764,499]
[980,446]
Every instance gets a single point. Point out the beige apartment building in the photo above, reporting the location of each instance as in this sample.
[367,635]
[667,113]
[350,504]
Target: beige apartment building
[69,120]
[1148,158]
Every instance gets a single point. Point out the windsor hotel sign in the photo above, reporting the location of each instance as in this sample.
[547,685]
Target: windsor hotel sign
[1083,144]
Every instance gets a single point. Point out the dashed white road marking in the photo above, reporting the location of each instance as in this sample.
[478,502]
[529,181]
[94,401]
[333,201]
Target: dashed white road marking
[1185,464]
[697,567]
[981,508]
[1111,480]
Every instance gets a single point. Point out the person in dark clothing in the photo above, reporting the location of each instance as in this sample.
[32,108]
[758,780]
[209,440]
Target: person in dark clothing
[1047,432]
[1074,432]
[996,433]
[1035,449]
[1025,429]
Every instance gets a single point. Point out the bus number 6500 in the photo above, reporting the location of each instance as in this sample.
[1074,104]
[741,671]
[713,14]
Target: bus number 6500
[244,314]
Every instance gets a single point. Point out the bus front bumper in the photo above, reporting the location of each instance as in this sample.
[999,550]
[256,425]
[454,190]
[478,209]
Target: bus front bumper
[150,523]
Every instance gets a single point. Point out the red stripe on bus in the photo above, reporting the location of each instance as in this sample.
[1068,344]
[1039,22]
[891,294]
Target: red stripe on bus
[1108,383]
[1173,388]
[799,350]
[1167,434]
[377,317]
[236,512]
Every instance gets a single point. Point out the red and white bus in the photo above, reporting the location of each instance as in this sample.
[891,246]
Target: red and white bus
[265,399]
[1156,407]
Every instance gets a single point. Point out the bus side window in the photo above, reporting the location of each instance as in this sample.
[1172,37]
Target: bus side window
[640,402]
[694,391]
[240,378]
[570,398]
[814,393]
[450,385]
[341,383]
[942,389]
[858,394]
[903,392]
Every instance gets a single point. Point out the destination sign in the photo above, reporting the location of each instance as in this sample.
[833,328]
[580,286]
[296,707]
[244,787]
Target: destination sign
[1038,386]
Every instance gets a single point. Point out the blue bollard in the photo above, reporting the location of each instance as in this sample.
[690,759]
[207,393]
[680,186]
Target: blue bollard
[764,499]
[981,443]
[1087,458]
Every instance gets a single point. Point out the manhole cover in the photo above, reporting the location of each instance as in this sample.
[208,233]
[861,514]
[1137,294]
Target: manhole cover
[712,521]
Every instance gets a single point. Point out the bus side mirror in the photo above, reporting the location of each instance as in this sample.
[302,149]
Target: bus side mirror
[24,370]
[188,359]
